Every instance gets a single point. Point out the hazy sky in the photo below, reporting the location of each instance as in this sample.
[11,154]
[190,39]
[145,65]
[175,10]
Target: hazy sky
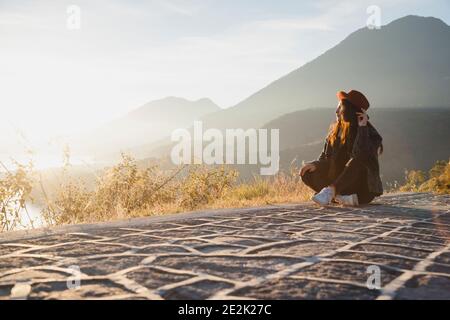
[55,80]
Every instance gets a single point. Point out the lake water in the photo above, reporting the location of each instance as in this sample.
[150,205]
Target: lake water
[40,162]
[32,218]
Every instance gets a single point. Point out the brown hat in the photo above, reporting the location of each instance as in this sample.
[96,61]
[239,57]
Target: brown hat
[355,97]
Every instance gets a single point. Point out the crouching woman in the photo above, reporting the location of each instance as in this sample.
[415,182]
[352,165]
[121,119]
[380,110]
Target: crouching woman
[347,171]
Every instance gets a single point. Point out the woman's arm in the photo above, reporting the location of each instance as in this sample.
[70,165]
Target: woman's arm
[364,147]
[320,163]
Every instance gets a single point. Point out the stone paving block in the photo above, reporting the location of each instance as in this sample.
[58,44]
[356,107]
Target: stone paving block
[377,230]
[135,240]
[110,233]
[378,259]
[228,267]
[196,291]
[57,239]
[443,258]
[265,234]
[445,269]
[420,237]
[211,248]
[426,288]
[242,241]
[191,242]
[161,249]
[413,243]
[154,279]
[392,249]
[104,265]
[346,271]
[91,289]
[336,235]
[291,288]
[15,262]
[300,248]
[32,275]
[8,249]
[80,249]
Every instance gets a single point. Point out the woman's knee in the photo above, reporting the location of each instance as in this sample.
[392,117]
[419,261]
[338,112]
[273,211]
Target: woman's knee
[313,180]
[307,178]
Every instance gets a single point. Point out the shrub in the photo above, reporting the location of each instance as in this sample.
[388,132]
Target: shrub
[414,179]
[129,189]
[126,190]
[15,191]
[203,185]
[437,180]
[71,204]
[257,189]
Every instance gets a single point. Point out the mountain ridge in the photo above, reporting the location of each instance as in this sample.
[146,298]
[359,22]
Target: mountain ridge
[145,124]
[309,86]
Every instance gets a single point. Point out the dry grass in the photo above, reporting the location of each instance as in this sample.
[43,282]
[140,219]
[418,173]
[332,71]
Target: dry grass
[15,191]
[126,190]
[437,180]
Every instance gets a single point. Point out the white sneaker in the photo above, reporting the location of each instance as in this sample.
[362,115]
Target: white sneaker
[324,197]
[350,200]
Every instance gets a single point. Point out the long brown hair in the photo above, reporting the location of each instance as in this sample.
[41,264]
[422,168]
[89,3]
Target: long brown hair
[334,130]
[347,124]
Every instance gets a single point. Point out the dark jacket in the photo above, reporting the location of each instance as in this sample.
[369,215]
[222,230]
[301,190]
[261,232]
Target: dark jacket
[365,148]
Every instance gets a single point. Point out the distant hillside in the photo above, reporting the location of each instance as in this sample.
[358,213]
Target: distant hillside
[147,124]
[405,64]
[404,69]
[413,138]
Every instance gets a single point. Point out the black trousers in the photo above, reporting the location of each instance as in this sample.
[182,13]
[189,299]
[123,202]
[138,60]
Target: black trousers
[353,179]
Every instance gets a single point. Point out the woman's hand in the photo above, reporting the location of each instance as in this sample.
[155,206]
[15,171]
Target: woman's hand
[362,118]
[309,167]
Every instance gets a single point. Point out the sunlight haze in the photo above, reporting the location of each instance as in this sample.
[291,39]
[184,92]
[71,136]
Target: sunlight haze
[56,81]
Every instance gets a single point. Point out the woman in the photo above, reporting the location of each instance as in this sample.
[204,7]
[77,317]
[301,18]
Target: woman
[347,171]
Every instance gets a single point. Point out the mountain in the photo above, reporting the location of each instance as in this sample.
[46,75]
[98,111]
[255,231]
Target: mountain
[147,124]
[404,64]
[403,69]
[413,138]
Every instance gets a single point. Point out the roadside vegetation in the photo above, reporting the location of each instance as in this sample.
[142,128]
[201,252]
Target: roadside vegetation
[128,190]
[436,180]
[15,190]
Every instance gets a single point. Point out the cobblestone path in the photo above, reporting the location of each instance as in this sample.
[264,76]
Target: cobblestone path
[278,252]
